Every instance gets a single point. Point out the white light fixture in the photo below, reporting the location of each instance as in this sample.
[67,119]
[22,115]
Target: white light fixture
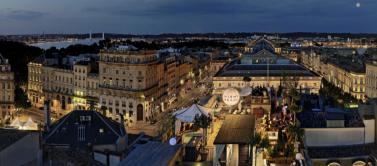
[172,141]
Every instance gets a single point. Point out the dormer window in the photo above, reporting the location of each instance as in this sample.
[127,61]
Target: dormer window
[101,131]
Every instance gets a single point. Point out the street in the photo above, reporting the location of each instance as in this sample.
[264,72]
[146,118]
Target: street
[151,129]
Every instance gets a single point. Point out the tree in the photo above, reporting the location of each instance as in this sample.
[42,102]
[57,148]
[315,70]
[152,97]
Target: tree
[295,109]
[246,79]
[20,99]
[290,81]
[259,143]
[295,131]
[203,122]
[167,130]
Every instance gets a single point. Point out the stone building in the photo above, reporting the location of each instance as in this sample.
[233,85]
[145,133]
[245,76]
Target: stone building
[264,66]
[128,83]
[60,80]
[348,76]
[6,89]
[371,80]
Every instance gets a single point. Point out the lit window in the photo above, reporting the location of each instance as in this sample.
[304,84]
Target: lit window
[101,130]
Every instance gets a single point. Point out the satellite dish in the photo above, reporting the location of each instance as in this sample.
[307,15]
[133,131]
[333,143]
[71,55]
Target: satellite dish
[172,141]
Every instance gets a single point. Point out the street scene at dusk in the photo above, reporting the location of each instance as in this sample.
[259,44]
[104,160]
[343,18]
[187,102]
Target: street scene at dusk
[188,83]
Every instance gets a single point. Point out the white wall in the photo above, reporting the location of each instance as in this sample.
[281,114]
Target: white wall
[369,130]
[100,157]
[334,136]
[114,160]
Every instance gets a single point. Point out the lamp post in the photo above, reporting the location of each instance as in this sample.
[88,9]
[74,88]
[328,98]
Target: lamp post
[299,158]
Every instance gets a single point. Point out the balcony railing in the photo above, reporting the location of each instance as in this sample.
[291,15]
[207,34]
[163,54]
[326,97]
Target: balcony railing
[127,88]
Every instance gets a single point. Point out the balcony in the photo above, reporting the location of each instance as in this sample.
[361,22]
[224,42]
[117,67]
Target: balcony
[128,88]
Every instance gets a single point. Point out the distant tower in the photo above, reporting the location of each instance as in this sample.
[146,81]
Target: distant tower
[90,35]
[103,35]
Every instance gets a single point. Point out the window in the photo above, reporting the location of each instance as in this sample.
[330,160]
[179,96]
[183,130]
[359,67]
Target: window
[130,114]
[111,71]
[103,101]
[101,131]
[123,104]
[130,73]
[116,72]
[81,133]
[104,80]
[71,80]
[117,112]
[111,81]
[116,102]
[130,105]
[219,84]
[83,71]
[229,84]
[124,72]
[111,111]
[104,70]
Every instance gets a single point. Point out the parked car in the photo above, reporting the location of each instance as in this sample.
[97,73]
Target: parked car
[153,121]
[54,112]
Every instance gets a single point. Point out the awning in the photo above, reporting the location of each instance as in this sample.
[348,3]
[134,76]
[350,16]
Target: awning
[245,92]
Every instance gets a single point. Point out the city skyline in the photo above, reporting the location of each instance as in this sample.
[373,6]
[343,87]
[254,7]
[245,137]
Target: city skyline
[168,16]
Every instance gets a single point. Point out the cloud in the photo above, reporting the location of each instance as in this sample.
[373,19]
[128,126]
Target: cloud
[24,15]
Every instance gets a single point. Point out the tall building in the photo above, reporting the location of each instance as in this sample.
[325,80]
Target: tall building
[6,89]
[371,79]
[61,80]
[128,83]
[350,77]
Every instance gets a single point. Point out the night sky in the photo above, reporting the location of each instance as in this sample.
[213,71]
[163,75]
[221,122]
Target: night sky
[186,16]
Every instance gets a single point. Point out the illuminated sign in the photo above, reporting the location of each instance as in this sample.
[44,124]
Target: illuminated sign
[231,97]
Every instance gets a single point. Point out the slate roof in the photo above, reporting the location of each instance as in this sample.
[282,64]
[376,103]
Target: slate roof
[84,63]
[2,60]
[152,154]
[69,136]
[45,56]
[8,137]
[236,129]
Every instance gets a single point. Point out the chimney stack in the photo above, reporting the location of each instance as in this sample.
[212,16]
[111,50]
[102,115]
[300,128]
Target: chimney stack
[47,115]
[91,105]
[121,121]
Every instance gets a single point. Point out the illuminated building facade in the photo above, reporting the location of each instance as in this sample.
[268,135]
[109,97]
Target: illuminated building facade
[263,63]
[6,89]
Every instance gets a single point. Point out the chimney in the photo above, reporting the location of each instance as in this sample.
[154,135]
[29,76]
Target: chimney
[91,105]
[74,61]
[121,121]
[47,115]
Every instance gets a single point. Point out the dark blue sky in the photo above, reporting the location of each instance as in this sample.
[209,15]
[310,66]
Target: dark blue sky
[186,16]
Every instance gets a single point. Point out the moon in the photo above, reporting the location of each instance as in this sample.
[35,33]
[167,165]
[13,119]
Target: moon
[358,4]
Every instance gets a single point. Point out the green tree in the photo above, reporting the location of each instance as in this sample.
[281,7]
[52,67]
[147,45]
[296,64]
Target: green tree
[295,109]
[259,143]
[295,131]
[246,79]
[203,122]
[167,130]
[20,99]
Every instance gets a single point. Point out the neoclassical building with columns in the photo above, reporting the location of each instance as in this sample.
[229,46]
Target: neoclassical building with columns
[262,62]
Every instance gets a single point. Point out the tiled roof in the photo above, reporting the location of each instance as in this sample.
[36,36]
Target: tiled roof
[8,137]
